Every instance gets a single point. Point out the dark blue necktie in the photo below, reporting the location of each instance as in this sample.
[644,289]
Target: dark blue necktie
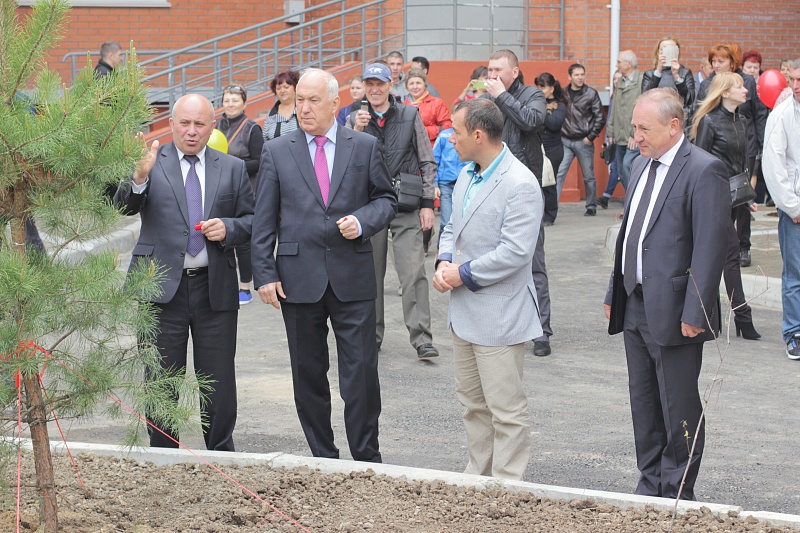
[194,204]
[635,229]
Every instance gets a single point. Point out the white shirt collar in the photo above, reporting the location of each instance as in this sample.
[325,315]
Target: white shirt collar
[201,155]
[331,134]
[670,154]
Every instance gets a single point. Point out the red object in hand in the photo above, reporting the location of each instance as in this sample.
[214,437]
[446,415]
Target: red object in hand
[199,226]
[437,203]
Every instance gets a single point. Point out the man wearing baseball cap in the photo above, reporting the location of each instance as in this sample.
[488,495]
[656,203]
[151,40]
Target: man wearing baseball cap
[406,150]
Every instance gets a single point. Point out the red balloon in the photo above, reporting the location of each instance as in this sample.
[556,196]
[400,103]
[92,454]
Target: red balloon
[770,85]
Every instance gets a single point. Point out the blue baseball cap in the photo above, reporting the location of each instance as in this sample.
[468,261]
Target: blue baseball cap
[377,71]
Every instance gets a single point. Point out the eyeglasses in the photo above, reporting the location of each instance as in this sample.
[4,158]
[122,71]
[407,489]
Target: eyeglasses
[234,89]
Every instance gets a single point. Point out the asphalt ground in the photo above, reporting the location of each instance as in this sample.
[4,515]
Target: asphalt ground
[578,397]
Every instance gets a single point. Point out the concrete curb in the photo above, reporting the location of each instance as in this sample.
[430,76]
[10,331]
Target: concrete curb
[165,456]
[123,239]
[762,290]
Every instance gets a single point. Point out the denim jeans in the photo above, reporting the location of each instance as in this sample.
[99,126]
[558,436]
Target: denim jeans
[613,179]
[445,207]
[585,155]
[625,159]
[788,238]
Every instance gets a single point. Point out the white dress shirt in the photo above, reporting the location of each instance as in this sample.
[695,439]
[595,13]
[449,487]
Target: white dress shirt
[661,174]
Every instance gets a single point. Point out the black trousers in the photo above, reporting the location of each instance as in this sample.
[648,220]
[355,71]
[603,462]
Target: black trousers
[555,155]
[740,216]
[357,352]
[214,350]
[665,403]
[732,274]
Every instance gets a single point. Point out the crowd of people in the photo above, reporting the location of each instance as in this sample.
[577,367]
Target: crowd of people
[307,204]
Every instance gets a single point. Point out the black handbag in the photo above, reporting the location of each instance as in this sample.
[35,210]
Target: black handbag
[408,188]
[608,153]
[741,190]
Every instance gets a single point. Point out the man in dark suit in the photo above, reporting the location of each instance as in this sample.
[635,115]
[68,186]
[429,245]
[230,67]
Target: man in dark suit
[325,191]
[195,204]
[664,290]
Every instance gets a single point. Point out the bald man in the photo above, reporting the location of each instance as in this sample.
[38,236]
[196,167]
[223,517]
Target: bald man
[196,204]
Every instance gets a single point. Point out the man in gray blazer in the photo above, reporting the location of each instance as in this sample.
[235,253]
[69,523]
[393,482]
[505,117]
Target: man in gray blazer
[664,290]
[485,259]
[323,192]
[196,204]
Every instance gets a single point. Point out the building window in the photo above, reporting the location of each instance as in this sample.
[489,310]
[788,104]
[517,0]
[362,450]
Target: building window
[108,3]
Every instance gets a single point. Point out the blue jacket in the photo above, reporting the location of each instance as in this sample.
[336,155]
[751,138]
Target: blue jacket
[449,165]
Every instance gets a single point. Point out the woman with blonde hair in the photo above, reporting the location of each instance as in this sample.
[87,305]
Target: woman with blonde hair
[728,57]
[720,129]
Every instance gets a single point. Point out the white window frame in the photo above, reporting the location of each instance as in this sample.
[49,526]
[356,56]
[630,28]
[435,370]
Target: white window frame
[108,3]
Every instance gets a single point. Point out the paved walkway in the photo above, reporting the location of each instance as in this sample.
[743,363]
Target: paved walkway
[582,435]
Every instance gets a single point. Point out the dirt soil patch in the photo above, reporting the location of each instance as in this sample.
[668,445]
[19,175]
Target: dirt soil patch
[124,495]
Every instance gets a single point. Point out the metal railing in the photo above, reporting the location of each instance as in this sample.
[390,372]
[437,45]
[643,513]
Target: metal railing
[251,57]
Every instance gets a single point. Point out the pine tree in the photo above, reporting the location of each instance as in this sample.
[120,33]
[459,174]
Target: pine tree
[76,323]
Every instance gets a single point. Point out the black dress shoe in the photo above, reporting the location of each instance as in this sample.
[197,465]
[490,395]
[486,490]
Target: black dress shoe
[541,348]
[427,350]
[602,201]
[744,258]
[590,212]
[548,222]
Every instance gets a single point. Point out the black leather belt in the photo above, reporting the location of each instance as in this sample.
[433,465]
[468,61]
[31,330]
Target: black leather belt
[191,272]
[638,289]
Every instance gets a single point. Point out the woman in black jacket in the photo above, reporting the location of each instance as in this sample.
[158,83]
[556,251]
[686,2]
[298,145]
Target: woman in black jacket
[720,129]
[668,72]
[728,57]
[551,137]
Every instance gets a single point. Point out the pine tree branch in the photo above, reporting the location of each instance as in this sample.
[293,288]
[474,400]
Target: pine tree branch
[45,135]
[52,23]
[61,339]
[113,129]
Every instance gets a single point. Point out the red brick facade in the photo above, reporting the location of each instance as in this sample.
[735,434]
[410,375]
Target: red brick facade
[767,26]
[764,25]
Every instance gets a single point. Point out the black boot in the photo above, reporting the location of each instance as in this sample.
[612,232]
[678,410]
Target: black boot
[746,329]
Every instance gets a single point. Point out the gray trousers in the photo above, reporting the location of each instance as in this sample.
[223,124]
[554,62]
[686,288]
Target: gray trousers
[539,270]
[585,154]
[409,261]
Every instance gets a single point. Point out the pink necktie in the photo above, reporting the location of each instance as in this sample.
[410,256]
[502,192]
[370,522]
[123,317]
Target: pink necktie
[321,168]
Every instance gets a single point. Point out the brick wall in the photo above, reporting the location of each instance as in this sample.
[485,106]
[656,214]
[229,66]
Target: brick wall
[185,23]
[767,26]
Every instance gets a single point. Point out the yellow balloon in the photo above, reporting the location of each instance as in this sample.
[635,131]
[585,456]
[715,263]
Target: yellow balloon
[217,141]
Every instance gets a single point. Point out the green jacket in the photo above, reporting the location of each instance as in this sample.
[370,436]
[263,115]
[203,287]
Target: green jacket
[619,122]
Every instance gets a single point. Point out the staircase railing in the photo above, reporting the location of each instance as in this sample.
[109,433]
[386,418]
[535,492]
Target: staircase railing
[329,34]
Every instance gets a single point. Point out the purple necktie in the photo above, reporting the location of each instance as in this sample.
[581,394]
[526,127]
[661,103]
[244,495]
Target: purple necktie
[321,168]
[194,204]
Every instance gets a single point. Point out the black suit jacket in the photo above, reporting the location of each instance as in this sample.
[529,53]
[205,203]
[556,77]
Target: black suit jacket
[687,234]
[165,221]
[292,222]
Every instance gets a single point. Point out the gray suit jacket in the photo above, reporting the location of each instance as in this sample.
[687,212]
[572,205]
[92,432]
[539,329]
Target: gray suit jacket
[495,240]
[687,234]
[165,221]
